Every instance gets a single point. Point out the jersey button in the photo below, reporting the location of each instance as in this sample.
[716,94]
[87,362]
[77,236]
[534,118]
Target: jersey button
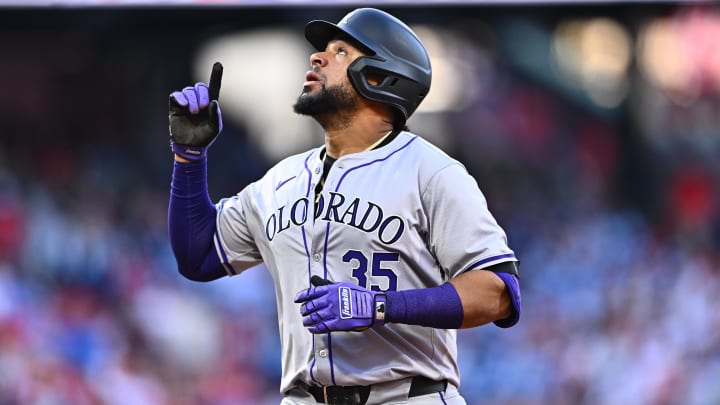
[323,353]
[316,257]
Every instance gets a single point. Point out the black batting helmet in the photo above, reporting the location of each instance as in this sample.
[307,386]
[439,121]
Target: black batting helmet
[395,53]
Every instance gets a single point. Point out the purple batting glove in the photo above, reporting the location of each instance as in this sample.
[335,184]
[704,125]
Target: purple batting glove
[330,307]
[195,117]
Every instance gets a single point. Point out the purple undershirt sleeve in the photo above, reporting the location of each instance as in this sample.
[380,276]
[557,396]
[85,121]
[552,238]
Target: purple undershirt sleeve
[191,223]
[513,286]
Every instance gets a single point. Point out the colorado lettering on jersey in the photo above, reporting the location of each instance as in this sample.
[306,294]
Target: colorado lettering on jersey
[363,215]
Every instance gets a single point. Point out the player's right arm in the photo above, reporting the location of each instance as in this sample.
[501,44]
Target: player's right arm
[195,121]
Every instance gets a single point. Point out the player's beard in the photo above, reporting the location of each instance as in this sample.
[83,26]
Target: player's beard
[328,101]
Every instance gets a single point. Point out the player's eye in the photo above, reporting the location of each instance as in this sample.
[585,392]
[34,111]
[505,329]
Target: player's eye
[341,51]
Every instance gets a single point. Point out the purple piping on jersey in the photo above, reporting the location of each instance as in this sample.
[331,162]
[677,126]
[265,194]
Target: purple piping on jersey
[332,366]
[307,169]
[490,259]
[442,397]
[223,256]
[325,275]
[307,251]
[309,265]
[374,161]
[312,365]
[307,255]
[327,235]
[302,228]
[282,183]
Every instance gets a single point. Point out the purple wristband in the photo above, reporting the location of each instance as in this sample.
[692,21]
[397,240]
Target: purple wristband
[436,307]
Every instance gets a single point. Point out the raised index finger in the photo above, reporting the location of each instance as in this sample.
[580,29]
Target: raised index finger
[215,79]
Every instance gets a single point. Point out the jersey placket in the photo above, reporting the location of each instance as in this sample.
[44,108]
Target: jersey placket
[322,369]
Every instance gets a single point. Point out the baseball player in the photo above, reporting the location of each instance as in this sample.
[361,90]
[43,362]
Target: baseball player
[380,245]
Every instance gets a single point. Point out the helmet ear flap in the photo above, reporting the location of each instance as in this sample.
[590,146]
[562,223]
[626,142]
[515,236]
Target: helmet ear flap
[397,90]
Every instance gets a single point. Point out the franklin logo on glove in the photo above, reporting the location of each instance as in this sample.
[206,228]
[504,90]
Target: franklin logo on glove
[345,303]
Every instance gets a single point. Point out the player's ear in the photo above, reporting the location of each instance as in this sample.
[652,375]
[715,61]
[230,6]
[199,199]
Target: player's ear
[374,78]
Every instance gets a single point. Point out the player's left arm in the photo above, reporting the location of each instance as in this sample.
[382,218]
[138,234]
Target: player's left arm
[472,250]
[474,298]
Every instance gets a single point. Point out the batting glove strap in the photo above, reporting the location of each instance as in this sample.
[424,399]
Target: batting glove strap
[380,301]
[189,152]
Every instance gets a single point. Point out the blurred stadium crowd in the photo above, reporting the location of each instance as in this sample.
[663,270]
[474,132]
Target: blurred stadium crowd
[618,234]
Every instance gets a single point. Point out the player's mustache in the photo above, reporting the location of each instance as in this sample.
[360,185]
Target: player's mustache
[315,74]
[316,69]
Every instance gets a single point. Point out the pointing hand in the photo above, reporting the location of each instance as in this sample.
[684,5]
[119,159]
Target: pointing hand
[195,118]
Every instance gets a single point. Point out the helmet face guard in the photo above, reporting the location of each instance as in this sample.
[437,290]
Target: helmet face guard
[395,53]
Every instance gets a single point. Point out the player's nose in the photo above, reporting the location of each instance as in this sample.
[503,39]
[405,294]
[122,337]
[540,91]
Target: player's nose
[317,59]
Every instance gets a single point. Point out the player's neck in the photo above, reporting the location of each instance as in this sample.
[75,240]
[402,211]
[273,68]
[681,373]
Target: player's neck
[357,130]
[355,138]
[358,134]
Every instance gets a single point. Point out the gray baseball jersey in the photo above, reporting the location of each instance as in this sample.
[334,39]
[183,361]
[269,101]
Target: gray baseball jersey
[399,217]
